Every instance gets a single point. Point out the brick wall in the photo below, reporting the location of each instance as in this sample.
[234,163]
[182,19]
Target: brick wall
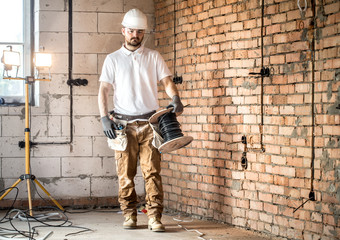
[218,43]
[84,170]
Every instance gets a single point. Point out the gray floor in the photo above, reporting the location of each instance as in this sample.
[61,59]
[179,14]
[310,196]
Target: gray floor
[108,225]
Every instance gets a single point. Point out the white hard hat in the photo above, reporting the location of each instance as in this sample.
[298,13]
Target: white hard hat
[135,19]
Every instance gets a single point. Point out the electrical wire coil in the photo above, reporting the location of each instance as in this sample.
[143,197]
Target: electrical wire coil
[169,126]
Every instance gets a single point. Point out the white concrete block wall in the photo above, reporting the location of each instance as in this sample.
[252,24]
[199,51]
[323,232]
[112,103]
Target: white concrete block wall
[9,147]
[86,168]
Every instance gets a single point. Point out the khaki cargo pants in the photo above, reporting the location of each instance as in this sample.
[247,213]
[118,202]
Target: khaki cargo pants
[140,136]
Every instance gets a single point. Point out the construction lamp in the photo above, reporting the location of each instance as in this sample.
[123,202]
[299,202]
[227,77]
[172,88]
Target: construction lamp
[11,58]
[42,60]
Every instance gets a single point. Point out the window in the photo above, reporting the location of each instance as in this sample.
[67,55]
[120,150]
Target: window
[15,32]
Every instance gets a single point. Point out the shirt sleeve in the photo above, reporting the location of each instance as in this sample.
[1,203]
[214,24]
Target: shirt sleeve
[162,69]
[107,74]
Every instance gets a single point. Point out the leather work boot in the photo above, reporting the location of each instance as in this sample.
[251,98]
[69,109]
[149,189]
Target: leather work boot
[130,222]
[155,225]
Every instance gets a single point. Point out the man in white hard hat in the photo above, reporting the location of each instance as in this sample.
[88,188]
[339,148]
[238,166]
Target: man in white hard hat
[133,72]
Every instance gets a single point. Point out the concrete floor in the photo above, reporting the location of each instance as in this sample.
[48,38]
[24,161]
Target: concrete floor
[107,225]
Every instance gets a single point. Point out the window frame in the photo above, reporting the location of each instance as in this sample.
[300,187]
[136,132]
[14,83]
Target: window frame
[28,41]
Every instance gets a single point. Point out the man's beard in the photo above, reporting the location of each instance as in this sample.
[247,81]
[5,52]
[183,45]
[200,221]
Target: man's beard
[135,42]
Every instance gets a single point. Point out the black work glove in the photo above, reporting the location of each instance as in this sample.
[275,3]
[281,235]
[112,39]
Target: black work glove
[109,127]
[176,104]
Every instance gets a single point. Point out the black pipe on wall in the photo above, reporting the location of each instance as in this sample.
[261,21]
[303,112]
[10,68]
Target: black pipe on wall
[70,63]
[265,72]
[312,28]
[71,82]
[262,76]
[313,25]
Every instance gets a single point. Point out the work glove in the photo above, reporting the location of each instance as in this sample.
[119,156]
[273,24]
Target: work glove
[176,104]
[109,127]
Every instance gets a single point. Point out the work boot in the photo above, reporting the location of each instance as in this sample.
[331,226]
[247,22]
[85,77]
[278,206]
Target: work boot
[130,222]
[155,225]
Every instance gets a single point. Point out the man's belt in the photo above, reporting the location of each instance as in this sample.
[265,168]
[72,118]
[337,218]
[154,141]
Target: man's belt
[131,117]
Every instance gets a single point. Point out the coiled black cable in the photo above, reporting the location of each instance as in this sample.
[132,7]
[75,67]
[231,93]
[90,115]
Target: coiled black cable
[169,126]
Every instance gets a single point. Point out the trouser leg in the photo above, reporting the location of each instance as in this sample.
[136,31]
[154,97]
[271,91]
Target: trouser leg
[150,162]
[126,162]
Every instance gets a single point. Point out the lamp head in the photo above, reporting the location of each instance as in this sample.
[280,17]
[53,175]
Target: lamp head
[10,58]
[42,60]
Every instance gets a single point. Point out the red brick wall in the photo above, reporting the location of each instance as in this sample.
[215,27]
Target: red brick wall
[218,43]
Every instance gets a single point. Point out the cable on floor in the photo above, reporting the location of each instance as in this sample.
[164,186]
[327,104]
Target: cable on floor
[15,198]
[46,219]
[6,233]
[201,235]
[27,234]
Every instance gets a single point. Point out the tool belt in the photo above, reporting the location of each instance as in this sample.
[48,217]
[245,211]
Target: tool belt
[131,117]
[120,142]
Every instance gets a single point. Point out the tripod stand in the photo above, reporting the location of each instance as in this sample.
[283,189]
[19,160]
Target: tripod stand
[28,176]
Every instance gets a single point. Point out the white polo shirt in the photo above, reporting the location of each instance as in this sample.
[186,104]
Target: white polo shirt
[134,76]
